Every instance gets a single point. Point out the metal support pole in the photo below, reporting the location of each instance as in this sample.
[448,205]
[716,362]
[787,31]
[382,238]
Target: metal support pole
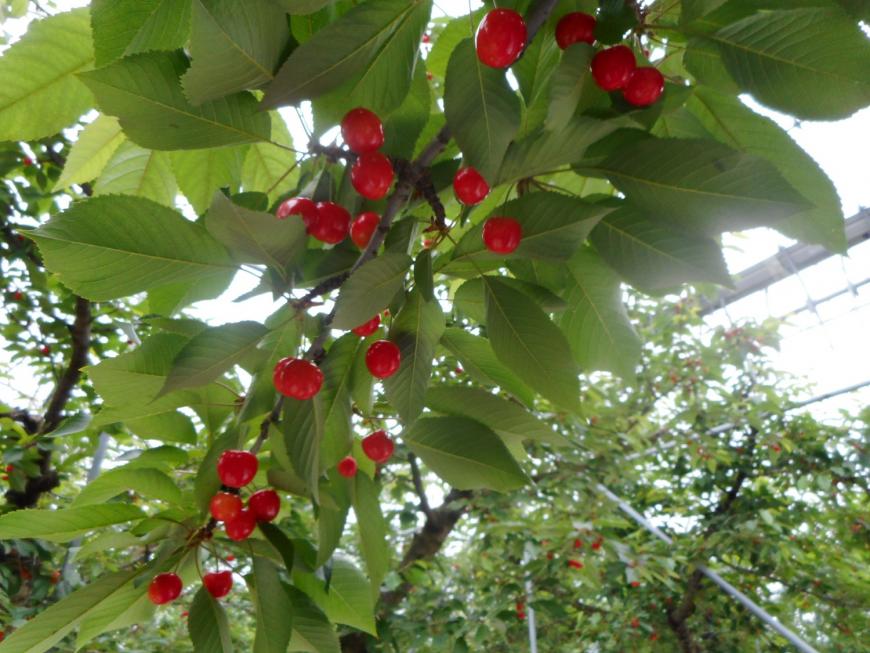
[530,611]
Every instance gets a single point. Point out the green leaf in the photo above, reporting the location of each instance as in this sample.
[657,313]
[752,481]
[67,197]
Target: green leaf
[282,544]
[778,55]
[347,600]
[370,289]
[202,172]
[312,631]
[64,524]
[268,168]
[572,84]
[208,626]
[303,433]
[138,172]
[143,481]
[615,18]
[596,324]
[39,91]
[110,247]
[335,399]
[654,255]
[470,298]
[234,46]
[416,331]
[144,91]
[372,529]
[482,111]
[331,519]
[274,609]
[91,152]
[124,27]
[126,606]
[465,453]
[457,30]
[527,342]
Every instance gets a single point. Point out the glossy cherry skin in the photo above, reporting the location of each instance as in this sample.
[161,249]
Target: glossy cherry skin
[469,186]
[218,583]
[611,68]
[237,468]
[165,588]
[501,37]
[367,329]
[502,235]
[347,467]
[363,228]
[383,359]
[265,504]
[332,224]
[644,87]
[301,206]
[378,447]
[575,27]
[224,506]
[575,564]
[241,526]
[297,378]
[362,130]
[372,175]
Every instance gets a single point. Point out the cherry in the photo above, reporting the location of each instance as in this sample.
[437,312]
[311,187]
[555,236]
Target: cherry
[501,38]
[44,350]
[383,359]
[265,504]
[185,614]
[241,526]
[635,583]
[635,622]
[367,329]
[54,579]
[218,583]
[231,558]
[597,544]
[550,555]
[347,467]
[224,506]
[653,636]
[237,468]
[575,564]
[469,186]
[297,378]
[362,130]
[164,588]
[644,87]
[27,161]
[575,27]
[502,235]
[9,468]
[332,224]
[611,68]
[301,206]
[427,38]
[578,543]
[363,227]
[17,296]
[378,447]
[372,175]
[521,615]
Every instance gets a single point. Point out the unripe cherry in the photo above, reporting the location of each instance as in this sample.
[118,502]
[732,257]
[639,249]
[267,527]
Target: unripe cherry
[363,228]
[332,224]
[501,38]
[378,447]
[347,467]
[241,526]
[644,87]
[362,130]
[265,504]
[164,588]
[611,68]
[383,359]
[218,583]
[576,27]
[297,378]
[502,235]
[301,206]
[469,186]
[225,506]
[367,329]
[237,468]
[372,175]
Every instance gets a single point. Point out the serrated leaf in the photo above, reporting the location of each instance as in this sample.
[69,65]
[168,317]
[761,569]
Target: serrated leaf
[335,399]
[274,609]
[64,524]
[146,482]
[347,600]
[470,298]
[200,173]
[208,626]
[572,83]
[138,172]
[91,152]
[331,518]
[303,432]
[268,168]
[370,289]
[124,27]
[372,529]
[312,631]
[126,606]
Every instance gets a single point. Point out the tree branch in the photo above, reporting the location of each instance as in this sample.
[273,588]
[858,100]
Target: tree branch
[418,486]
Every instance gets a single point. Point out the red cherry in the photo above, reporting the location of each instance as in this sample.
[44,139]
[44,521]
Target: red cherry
[347,467]
[241,526]
[301,206]
[17,296]
[575,27]
[5,477]
[363,227]
[501,38]
[165,588]
[427,38]
[367,329]
[378,447]
[635,583]
[520,606]
[597,544]
[383,359]
[502,235]
[429,76]
[224,506]
[550,555]
[611,68]
[635,622]
[9,468]
[218,583]
[362,130]
[521,616]
[332,224]
[185,613]
[44,350]
[469,186]
[297,378]
[231,558]
[578,544]
[265,504]
[653,636]
[27,161]
[237,468]
[575,564]
[372,175]
[644,87]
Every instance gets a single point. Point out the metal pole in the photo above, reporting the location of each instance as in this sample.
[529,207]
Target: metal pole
[530,611]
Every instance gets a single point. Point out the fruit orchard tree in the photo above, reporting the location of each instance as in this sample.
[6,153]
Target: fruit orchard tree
[409,452]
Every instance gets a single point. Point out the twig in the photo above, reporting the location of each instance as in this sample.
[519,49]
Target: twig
[418,486]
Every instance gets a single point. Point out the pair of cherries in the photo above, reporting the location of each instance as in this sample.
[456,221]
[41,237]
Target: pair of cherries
[501,235]
[378,447]
[236,468]
[372,173]
[329,222]
[165,588]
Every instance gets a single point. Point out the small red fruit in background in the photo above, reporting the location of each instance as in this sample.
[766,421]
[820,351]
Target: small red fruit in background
[241,526]
[9,468]
[27,161]
[502,235]
[575,564]
[218,583]
[301,206]
[635,622]
[362,130]
[185,613]
[265,504]
[575,27]
[378,447]
[597,544]
[372,175]
[383,358]
[363,227]
[776,447]
[635,583]
[17,296]
[469,186]
[224,506]
[5,477]
[653,636]
[501,38]
[644,87]
[44,350]
[297,378]
[521,615]
[237,468]
[367,329]
[332,224]
[347,467]
[427,38]
[165,588]
[612,68]
[231,558]
[578,543]
[550,555]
